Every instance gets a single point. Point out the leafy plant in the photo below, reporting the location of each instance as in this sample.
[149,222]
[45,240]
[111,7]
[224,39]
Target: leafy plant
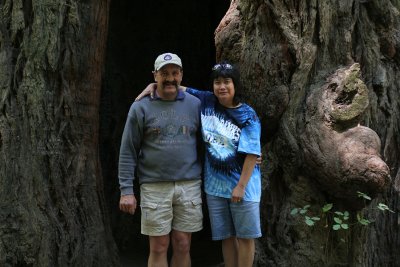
[310,221]
[340,218]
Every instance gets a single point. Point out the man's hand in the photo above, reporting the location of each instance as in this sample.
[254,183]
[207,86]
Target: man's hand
[127,203]
[149,90]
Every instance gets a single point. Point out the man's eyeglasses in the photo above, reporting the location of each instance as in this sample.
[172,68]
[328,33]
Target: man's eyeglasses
[225,66]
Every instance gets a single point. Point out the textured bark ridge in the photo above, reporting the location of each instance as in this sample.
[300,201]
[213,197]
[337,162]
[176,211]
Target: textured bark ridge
[322,77]
[51,204]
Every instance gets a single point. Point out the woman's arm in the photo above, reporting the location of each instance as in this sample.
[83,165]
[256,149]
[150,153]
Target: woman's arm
[149,90]
[247,170]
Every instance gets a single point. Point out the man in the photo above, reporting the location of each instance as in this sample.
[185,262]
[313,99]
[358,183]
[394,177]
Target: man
[159,143]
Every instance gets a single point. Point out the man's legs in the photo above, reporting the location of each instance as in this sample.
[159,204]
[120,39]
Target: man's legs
[167,204]
[188,218]
[180,249]
[156,218]
[158,251]
[230,252]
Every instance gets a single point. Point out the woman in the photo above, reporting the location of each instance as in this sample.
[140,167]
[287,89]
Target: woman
[232,182]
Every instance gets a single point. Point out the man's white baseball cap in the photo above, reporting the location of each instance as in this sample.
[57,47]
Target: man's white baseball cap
[167,58]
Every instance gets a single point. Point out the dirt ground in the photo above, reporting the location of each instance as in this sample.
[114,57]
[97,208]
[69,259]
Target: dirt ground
[205,253]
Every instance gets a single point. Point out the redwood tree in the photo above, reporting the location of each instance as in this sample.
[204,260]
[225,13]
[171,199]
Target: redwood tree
[322,75]
[51,63]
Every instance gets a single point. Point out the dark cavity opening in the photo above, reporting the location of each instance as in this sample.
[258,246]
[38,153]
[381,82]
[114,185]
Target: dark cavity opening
[346,98]
[138,32]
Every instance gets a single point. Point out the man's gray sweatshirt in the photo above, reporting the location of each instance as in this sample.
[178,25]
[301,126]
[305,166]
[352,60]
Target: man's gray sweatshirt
[159,141]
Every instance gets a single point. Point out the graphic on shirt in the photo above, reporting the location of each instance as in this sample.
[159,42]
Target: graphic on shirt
[168,127]
[221,134]
[221,137]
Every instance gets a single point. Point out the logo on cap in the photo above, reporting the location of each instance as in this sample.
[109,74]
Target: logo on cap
[166,58]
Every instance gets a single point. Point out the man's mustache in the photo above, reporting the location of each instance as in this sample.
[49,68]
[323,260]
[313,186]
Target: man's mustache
[170,83]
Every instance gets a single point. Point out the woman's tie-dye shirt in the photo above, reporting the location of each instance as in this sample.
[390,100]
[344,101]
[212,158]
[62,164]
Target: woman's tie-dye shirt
[229,134]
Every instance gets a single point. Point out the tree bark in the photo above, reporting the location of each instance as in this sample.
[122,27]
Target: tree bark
[51,62]
[322,77]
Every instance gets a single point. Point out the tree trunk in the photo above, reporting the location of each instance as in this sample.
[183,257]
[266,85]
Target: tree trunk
[322,77]
[51,62]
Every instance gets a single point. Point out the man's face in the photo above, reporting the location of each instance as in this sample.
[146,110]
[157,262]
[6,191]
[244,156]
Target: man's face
[168,79]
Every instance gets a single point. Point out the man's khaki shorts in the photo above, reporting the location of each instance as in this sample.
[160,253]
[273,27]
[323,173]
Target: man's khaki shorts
[171,205]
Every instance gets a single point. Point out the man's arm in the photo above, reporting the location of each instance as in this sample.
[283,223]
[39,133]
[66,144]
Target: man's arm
[130,146]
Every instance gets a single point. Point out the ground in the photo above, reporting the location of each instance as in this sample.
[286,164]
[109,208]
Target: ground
[205,253]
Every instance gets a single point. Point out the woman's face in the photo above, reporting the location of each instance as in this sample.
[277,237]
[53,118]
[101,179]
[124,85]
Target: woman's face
[224,90]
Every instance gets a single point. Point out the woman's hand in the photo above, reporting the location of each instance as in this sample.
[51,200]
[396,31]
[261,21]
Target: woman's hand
[259,160]
[149,90]
[238,193]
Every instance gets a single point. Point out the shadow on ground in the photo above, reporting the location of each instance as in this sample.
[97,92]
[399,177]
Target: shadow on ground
[205,253]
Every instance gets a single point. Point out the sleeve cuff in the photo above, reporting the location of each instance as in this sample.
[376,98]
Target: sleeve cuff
[127,191]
